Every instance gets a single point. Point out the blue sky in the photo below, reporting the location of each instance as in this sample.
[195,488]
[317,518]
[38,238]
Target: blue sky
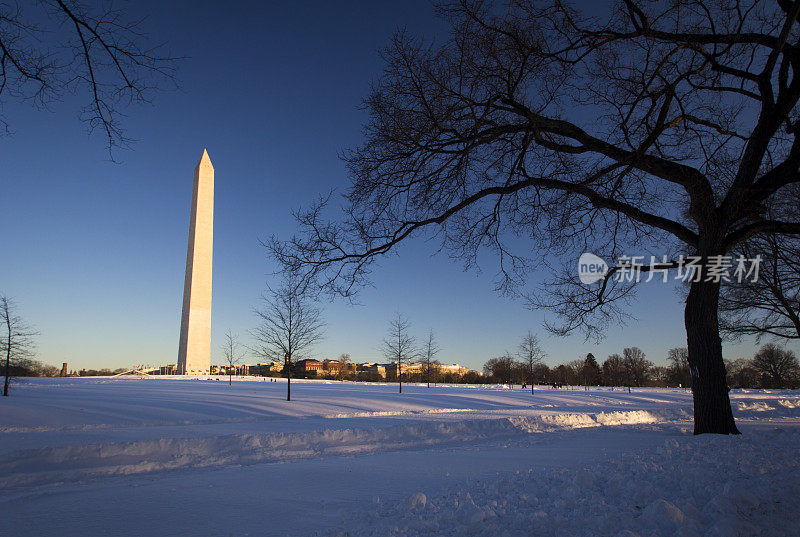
[94,251]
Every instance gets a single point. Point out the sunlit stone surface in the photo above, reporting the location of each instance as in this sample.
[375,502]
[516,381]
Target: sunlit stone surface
[194,349]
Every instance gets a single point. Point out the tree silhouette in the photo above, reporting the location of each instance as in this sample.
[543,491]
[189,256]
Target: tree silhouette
[290,325]
[399,345]
[17,340]
[57,47]
[663,129]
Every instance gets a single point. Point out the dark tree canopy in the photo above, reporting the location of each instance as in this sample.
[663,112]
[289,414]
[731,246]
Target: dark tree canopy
[656,128]
[637,366]
[679,371]
[778,366]
[503,369]
[614,371]
[592,375]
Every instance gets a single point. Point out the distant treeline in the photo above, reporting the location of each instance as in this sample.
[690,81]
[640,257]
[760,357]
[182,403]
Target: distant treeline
[771,367]
[30,368]
[432,374]
[34,368]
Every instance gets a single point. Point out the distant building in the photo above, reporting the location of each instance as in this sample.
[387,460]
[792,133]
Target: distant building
[325,369]
[453,368]
[171,369]
[336,367]
[265,369]
[64,372]
[414,368]
[308,367]
[238,370]
[377,369]
[418,368]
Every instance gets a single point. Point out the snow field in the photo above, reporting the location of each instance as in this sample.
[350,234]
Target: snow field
[449,460]
[689,487]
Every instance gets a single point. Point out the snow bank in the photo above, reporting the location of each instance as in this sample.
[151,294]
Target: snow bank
[393,413]
[691,486]
[767,407]
[78,462]
[758,406]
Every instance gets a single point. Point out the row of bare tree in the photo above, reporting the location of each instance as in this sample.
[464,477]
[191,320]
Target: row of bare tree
[28,367]
[772,366]
[401,347]
[524,367]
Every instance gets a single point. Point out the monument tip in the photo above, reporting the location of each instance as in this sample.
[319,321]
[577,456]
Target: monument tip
[205,158]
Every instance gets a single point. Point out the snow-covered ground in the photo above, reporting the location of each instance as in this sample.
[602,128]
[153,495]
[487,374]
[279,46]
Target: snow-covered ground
[178,456]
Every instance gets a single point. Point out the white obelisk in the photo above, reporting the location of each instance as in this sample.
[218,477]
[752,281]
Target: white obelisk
[194,349]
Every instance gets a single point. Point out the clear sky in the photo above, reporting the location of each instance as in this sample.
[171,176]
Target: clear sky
[94,251]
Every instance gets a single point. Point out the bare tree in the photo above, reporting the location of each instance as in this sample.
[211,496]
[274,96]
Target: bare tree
[290,325]
[433,372]
[614,372]
[431,349]
[565,374]
[232,351]
[637,366]
[778,365]
[679,371]
[663,129]
[344,366]
[399,345]
[742,373]
[502,369]
[577,366]
[531,354]
[770,305]
[57,47]
[17,343]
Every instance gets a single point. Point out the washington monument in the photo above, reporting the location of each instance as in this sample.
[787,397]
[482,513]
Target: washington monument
[194,349]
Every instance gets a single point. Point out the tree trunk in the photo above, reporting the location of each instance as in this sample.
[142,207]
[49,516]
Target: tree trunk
[530,378]
[712,406]
[8,372]
[8,363]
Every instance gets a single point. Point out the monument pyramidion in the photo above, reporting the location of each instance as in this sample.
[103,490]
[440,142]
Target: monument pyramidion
[194,348]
